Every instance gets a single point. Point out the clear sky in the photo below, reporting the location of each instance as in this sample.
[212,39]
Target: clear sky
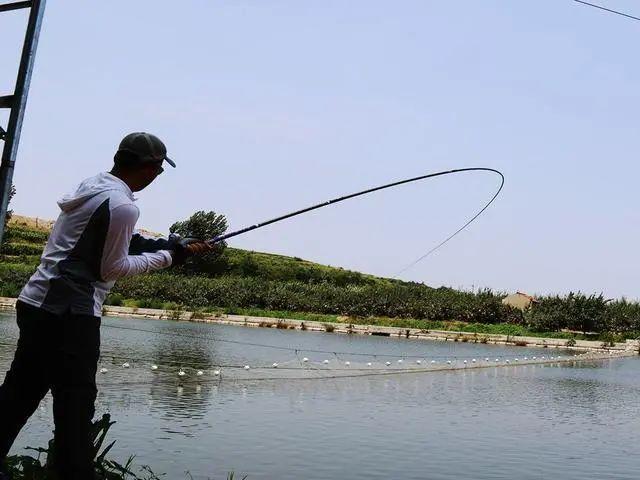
[268,106]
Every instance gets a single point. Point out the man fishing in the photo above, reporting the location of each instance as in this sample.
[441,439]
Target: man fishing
[92,244]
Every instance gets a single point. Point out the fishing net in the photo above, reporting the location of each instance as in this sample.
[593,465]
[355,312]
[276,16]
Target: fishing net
[309,364]
[304,369]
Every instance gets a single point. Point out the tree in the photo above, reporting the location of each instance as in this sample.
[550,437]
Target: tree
[5,238]
[204,225]
[12,192]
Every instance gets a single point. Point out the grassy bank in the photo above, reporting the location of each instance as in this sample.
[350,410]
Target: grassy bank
[261,284]
[426,325]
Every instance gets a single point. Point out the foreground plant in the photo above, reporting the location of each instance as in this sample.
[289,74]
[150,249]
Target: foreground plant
[25,467]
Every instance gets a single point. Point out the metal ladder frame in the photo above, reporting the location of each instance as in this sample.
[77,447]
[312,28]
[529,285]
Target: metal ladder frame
[17,102]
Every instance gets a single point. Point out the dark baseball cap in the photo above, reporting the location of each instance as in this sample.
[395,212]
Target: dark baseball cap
[145,146]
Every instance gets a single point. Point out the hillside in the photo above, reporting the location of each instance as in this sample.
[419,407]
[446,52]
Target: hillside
[256,283]
[26,236]
[241,279]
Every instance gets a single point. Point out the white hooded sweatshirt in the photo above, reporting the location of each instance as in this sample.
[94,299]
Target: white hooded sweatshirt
[88,249]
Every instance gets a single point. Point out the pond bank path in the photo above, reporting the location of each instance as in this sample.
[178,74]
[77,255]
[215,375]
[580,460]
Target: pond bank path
[628,348]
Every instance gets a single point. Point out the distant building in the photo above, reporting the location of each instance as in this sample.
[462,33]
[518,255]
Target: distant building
[519,300]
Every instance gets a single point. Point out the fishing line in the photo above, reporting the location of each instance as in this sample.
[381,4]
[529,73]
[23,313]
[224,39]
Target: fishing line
[600,7]
[226,236]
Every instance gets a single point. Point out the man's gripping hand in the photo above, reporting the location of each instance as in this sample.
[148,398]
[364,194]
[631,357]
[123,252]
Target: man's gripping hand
[183,248]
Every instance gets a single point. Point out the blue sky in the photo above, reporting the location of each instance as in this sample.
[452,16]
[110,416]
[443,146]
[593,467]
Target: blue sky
[268,106]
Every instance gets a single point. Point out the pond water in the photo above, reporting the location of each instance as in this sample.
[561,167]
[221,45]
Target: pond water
[569,421]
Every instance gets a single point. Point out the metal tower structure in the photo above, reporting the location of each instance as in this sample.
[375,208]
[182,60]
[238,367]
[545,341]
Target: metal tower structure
[17,102]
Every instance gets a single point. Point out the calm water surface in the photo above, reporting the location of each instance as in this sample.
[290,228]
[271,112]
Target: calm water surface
[524,422]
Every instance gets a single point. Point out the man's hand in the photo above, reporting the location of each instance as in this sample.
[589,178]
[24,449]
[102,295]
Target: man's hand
[183,248]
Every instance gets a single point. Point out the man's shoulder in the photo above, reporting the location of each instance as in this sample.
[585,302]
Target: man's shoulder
[119,199]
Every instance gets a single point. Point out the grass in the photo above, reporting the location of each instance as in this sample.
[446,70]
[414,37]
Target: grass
[18,263]
[257,312]
[26,467]
[478,329]
[281,267]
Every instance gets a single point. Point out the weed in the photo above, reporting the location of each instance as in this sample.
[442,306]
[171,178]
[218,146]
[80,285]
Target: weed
[174,311]
[114,299]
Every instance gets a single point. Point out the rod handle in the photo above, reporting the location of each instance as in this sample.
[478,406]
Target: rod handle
[198,248]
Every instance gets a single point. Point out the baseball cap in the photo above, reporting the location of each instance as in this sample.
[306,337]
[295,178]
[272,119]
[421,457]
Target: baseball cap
[145,146]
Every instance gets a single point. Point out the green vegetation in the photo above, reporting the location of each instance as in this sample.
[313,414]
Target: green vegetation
[392,300]
[21,248]
[13,276]
[17,233]
[243,263]
[9,213]
[25,467]
[240,282]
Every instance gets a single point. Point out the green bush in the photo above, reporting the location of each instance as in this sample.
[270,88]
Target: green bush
[33,260]
[150,303]
[391,300]
[13,276]
[114,299]
[26,235]
[170,306]
[575,312]
[12,248]
[624,316]
[131,303]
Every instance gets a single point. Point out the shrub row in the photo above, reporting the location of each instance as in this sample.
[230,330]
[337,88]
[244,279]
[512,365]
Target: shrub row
[574,312]
[13,276]
[403,301]
[13,233]
[579,312]
[11,248]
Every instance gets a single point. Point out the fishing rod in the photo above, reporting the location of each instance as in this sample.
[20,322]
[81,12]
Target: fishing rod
[226,236]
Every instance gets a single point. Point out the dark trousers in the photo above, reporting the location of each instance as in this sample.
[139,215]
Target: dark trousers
[57,353]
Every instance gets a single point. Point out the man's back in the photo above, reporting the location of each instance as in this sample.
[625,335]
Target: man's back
[86,248]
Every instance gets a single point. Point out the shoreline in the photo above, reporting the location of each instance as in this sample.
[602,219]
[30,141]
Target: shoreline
[630,346]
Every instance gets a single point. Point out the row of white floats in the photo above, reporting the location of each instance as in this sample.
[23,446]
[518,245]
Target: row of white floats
[199,373]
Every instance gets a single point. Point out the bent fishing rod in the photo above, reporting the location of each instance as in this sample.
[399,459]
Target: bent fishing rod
[226,236]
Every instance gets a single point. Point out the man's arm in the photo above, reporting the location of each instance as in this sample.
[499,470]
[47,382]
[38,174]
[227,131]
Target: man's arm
[140,244]
[116,261]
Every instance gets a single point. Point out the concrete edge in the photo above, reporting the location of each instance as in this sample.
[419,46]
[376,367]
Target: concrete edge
[347,328]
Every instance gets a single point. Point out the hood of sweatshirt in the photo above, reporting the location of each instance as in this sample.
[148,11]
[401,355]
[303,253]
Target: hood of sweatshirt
[90,188]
